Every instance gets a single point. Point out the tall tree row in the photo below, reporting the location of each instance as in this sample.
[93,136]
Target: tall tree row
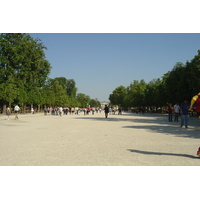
[24,74]
[23,68]
[181,83]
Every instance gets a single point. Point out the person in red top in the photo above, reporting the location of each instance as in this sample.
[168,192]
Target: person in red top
[170,109]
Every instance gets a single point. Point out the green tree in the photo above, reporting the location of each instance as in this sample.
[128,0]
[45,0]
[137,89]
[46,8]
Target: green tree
[117,96]
[192,74]
[71,88]
[136,93]
[23,58]
[172,81]
[155,93]
[83,100]
[94,103]
[55,93]
[22,96]
[8,92]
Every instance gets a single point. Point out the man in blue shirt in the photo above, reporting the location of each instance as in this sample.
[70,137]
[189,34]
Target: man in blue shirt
[184,108]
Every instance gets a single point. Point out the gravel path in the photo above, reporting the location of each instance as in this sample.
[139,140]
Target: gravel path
[120,140]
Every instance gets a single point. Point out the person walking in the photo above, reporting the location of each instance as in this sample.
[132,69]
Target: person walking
[16,109]
[106,109]
[184,109]
[176,112]
[60,111]
[8,113]
[170,109]
[32,110]
[119,111]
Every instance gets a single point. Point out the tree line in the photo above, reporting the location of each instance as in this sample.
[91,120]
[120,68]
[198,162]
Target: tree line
[175,86]
[24,79]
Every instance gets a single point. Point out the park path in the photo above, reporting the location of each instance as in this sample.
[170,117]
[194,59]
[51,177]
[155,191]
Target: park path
[78,140]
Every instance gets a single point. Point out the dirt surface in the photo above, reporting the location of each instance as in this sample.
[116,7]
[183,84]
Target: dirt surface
[77,140]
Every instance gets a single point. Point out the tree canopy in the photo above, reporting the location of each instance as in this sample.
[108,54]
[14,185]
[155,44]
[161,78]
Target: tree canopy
[175,86]
[24,80]
[23,68]
[24,74]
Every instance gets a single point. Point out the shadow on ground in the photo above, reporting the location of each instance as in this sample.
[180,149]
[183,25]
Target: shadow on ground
[156,123]
[162,154]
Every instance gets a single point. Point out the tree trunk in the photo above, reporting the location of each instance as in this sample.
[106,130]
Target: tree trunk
[24,108]
[38,108]
[4,108]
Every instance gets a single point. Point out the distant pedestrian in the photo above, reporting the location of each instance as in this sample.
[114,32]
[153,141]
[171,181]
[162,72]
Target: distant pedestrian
[45,111]
[76,110]
[32,110]
[119,111]
[110,111]
[170,109]
[93,111]
[8,113]
[16,109]
[106,109]
[60,111]
[176,112]
[84,111]
[184,109]
[67,110]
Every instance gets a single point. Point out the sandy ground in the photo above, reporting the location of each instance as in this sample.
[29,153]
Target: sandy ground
[78,140]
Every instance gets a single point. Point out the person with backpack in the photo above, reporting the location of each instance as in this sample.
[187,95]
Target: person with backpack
[196,100]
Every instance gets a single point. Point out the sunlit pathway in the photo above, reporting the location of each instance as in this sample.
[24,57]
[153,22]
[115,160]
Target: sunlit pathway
[121,140]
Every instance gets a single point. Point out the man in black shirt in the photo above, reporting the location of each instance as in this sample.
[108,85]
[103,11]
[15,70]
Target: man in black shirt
[106,109]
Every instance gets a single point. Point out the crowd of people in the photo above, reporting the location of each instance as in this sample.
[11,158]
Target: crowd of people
[70,110]
[77,111]
[60,111]
[174,111]
[183,110]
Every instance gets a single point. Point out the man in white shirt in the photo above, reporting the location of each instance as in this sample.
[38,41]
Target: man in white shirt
[16,109]
[60,111]
[176,111]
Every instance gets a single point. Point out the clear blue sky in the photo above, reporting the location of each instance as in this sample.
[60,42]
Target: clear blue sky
[100,62]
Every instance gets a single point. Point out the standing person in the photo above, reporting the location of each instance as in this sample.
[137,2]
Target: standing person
[170,109]
[8,113]
[45,111]
[32,110]
[110,111]
[119,111]
[60,111]
[67,110]
[76,110]
[176,111]
[16,109]
[106,109]
[184,109]
[84,111]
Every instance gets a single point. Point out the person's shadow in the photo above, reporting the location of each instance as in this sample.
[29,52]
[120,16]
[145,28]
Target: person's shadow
[161,154]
